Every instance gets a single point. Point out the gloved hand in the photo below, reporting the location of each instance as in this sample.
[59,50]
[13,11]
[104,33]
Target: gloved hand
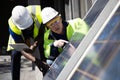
[43,66]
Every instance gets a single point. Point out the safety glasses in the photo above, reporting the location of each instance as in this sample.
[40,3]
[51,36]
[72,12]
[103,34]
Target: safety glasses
[53,22]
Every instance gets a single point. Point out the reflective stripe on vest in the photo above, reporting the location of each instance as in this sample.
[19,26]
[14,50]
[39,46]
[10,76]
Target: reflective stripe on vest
[13,27]
[10,41]
[36,14]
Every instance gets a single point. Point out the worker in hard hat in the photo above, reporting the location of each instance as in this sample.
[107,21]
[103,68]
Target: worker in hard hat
[25,25]
[60,32]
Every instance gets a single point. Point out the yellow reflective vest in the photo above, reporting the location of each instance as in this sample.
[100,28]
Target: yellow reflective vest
[75,26]
[35,11]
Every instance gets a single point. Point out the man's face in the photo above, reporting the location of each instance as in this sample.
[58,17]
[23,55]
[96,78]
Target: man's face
[55,25]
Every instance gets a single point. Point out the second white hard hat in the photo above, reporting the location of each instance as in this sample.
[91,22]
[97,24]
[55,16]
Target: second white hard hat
[21,17]
[48,13]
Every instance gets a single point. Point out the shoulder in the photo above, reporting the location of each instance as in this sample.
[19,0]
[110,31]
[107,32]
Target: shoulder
[34,9]
[33,6]
[11,24]
[78,24]
[75,20]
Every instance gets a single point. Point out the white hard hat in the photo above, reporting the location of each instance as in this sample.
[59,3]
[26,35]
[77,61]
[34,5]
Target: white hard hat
[48,13]
[21,17]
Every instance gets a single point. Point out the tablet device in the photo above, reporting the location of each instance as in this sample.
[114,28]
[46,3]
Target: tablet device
[19,46]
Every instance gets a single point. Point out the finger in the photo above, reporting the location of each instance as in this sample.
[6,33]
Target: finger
[72,46]
[64,41]
[35,43]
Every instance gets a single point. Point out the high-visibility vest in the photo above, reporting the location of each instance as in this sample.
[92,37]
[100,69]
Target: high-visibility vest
[35,11]
[75,26]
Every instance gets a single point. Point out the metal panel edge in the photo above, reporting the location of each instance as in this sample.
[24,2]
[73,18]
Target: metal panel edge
[99,24]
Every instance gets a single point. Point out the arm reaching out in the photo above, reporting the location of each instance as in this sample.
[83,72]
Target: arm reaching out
[60,43]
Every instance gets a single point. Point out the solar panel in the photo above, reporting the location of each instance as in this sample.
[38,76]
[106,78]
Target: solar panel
[63,58]
[102,59]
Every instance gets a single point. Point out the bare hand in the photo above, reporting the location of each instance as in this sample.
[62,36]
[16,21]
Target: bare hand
[33,46]
[28,54]
[60,43]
